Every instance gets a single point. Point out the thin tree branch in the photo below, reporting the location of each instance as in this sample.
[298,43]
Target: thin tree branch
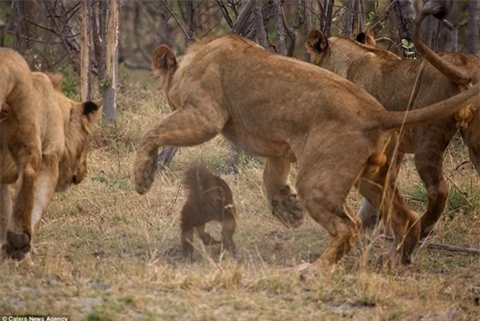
[178,22]
[225,13]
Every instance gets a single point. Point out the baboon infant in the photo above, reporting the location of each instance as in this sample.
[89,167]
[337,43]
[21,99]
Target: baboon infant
[209,198]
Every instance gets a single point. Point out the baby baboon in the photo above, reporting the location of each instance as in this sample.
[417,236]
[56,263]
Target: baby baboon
[209,198]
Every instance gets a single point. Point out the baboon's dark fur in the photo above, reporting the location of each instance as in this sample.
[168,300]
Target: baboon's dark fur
[209,198]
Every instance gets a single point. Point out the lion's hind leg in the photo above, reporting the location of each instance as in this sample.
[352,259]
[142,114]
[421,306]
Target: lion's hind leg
[187,126]
[342,226]
[404,222]
[368,213]
[429,164]
[323,184]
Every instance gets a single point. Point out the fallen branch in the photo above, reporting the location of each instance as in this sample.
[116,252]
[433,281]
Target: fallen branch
[451,248]
[445,247]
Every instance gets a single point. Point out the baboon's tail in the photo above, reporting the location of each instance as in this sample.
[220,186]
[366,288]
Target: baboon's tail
[437,111]
[196,179]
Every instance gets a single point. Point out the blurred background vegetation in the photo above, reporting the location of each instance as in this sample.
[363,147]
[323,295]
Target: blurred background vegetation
[48,32]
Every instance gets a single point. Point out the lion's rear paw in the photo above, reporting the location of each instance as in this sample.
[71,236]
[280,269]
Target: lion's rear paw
[145,168]
[17,245]
[288,209]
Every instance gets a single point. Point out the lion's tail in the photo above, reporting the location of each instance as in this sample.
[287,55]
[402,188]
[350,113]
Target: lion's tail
[452,72]
[437,111]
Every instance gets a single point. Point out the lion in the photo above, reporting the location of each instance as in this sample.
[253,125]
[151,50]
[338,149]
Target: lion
[401,84]
[44,137]
[286,111]
[209,198]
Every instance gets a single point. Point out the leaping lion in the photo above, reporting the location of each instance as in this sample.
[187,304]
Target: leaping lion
[288,111]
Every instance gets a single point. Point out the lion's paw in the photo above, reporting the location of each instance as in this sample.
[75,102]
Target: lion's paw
[145,168]
[288,209]
[17,245]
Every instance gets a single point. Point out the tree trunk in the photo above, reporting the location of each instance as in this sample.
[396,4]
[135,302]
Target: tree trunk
[307,18]
[110,85]
[328,18]
[427,31]
[190,9]
[4,6]
[405,15]
[18,19]
[348,18]
[472,37]
[360,9]
[259,26]
[281,46]
[99,16]
[243,24]
[85,61]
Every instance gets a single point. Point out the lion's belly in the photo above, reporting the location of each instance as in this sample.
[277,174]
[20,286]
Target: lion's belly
[261,146]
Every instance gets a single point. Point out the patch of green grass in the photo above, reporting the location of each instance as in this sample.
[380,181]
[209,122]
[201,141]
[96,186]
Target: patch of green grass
[70,83]
[466,201]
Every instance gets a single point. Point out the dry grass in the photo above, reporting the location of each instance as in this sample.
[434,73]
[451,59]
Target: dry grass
[105,253]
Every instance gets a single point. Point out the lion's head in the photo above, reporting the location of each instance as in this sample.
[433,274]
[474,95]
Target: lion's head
[80,119]
[341,54]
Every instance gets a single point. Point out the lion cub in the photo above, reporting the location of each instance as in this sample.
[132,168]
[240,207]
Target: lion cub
[209,198]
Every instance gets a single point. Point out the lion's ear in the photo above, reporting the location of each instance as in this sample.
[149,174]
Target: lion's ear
[361,37]
[367,37]
[92,109]
[316,42]
[163,59]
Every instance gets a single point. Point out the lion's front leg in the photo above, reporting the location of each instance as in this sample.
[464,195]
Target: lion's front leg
[26,218]
[5,210]
[281,196]
[188,126]
[19,231]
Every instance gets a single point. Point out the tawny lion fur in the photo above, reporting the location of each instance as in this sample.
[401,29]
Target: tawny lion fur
[392,80]
[44,137]
[209,199]
[287,111]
